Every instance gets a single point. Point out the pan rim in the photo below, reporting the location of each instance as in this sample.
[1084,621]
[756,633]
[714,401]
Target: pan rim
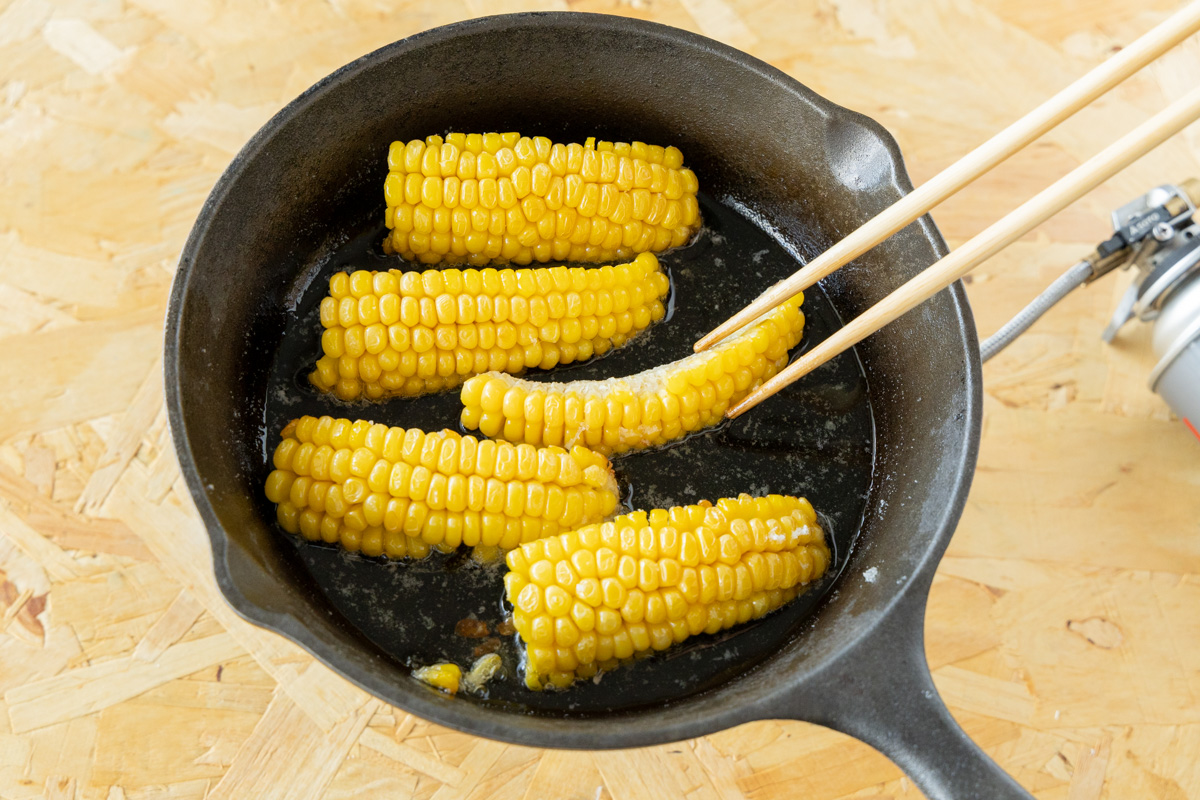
[674,720]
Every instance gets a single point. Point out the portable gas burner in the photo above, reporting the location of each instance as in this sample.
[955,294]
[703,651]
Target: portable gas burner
[1158,235]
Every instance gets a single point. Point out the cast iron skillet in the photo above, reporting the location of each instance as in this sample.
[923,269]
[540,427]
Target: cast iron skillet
[808,170]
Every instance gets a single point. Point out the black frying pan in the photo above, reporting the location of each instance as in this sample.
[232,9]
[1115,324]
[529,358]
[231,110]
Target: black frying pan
[303,199]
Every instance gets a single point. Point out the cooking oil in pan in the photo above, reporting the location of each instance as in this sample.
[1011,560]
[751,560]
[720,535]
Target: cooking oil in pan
[814,439]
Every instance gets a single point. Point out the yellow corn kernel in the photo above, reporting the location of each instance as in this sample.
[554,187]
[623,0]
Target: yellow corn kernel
[431,331]
[440,676]
[397,492]
[748,556]
[643,410]
[527,182]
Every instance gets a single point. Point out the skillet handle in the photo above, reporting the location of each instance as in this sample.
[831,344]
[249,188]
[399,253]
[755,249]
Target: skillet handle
[881,692]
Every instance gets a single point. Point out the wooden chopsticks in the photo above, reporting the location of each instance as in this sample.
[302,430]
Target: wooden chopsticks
[1152,44]
[1148,47]
[999,235]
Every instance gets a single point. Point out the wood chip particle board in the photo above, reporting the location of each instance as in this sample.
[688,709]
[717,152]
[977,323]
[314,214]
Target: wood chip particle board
[1061,626]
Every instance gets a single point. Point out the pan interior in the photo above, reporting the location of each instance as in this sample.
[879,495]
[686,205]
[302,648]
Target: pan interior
[815,439]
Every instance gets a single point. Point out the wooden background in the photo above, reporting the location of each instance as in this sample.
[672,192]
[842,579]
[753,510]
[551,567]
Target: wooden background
[1063,628]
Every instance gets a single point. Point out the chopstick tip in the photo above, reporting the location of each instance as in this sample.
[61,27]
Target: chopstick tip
[738,410]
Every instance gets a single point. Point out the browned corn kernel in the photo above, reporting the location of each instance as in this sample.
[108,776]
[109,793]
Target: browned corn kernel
[494,198]
[642,410]
[397,492]
[393,333]
[586,600]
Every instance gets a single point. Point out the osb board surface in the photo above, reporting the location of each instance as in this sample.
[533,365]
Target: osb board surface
[1062,627]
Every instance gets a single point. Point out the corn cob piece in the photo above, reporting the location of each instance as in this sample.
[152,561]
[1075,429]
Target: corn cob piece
[584,601]
[397,492]
[503,197]
[639,411]
[393,333]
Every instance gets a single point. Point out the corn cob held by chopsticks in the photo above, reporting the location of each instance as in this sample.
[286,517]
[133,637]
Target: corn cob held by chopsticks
[397,492]
[503,197]
[410,333]
[642,410]
[583,601]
